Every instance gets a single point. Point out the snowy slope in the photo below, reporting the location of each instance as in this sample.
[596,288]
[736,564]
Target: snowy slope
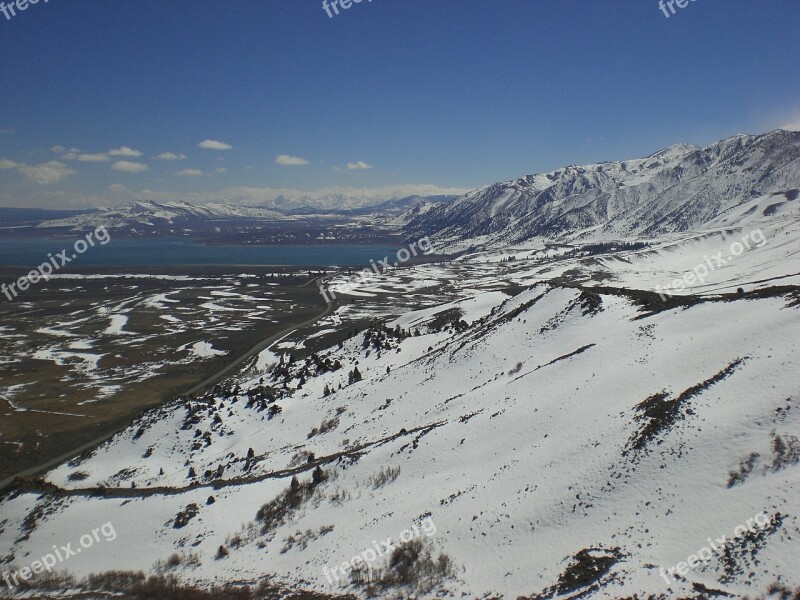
[678,189]
[519,426]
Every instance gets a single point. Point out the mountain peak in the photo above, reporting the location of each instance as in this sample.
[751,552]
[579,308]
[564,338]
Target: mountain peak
[675,150]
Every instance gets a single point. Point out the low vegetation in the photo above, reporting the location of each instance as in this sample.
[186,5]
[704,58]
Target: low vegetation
[326,426]
[175,560]
[278,511]
[745,468]
[132,585]
[384,477]
[785,453]
[586,574]
[412,566]
[658,414]
[778,591]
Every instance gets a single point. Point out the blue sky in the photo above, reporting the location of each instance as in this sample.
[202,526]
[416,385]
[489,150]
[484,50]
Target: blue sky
[386,97]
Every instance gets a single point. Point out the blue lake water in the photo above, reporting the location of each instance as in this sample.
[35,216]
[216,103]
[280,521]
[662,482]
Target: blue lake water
[32,251]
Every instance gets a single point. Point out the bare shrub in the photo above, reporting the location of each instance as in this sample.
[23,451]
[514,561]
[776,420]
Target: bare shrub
[136,586]
[302,539]
[340,496]
[778,591]
[40,581]
[384,477]
[745,468]
[326,426]
[786,450]
[175,560]
[412,565]
[277,511]
[169,588]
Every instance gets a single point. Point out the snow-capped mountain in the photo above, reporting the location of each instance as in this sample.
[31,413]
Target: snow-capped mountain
[347,202]
[158,215]
[677,189]
[166,217]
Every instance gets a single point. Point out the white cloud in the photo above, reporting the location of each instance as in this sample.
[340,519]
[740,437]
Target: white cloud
[190,173]
[795,126]
[127,166]
[222,170]
[58,149]
[118,188]
[214,145]
[99,157]
[291,161]
[71,154]
[46,173]
[125,151]
[358,166]
[170,156]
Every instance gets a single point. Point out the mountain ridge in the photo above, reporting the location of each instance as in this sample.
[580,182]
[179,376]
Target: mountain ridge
[675,189]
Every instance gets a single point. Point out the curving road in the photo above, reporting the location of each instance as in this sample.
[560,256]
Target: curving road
[209,381]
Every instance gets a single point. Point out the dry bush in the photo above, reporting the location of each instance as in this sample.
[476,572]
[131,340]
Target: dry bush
[175,560]
[383,477]
[411,566]
[277,511]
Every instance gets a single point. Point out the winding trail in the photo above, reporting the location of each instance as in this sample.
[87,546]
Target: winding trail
[40,486]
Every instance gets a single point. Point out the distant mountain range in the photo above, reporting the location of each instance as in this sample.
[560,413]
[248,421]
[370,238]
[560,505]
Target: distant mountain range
[680,188]
[344,202]
[677,189]
[220,219]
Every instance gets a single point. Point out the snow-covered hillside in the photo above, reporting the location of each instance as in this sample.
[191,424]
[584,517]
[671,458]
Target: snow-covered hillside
[677,189]
[564,440]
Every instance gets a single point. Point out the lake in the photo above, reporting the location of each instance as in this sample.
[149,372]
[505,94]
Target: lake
[32,251]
